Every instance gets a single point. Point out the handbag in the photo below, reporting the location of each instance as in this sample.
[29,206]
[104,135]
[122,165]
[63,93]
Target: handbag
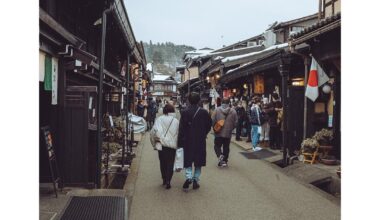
[219,124]
[157,144]
[178,162]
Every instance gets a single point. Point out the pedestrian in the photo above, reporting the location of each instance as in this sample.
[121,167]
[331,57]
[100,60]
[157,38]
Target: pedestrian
[223,137]
[241,117]
[165,131]
[265,128]
[255,118]
[151,113]
[247,122]
[140,109]
[276,135]
[194,125]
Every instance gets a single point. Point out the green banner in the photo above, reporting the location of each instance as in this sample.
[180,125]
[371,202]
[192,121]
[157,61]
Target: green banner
[48,73]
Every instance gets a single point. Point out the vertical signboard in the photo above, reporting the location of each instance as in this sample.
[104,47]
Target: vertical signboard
[54,77]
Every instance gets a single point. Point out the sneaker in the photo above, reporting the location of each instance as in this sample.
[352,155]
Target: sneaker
[195,184]
[220,161]
[257,148]
[224,164]
[186,184]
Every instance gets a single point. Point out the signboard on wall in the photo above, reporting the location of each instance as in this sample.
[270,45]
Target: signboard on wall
[258,85]
[54,81]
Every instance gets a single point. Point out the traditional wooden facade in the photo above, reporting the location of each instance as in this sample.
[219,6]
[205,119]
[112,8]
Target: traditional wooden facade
[323,38]
[70,44]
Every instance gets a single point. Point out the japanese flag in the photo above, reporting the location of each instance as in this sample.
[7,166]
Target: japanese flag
[317,77]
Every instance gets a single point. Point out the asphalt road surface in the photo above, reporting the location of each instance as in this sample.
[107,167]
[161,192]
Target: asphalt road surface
[246,189]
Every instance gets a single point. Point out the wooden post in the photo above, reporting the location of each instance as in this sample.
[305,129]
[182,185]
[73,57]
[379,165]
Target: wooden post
[284,72]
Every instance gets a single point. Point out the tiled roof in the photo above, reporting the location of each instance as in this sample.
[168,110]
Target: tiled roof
[315,26]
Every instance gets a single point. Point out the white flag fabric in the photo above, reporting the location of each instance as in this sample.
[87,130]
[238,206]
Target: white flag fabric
[322,76]
[317,77]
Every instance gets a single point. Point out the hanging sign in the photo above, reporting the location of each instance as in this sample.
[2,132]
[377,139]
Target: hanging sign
[54,77]
[258,84]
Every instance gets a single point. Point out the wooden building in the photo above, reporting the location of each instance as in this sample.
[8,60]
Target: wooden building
[272,68]
[70,52]
[164,87]
[324,40]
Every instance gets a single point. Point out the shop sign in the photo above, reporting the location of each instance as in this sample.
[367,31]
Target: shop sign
[258,84]
[54,77]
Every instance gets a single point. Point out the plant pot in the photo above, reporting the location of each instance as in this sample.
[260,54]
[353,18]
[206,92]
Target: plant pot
[328,161]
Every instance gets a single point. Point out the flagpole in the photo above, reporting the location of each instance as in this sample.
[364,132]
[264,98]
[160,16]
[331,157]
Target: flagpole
[306,63]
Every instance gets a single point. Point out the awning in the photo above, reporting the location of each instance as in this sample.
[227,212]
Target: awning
[53,24]
[120,13]
[258,64]
[326,25]
[186,83]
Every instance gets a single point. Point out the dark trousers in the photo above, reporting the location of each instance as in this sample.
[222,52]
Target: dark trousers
[222,142]
[166,156]
[249,127]
[239,126]
[275,137]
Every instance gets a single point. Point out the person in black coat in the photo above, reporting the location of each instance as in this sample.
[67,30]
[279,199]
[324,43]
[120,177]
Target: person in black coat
[140,109]
[241,116]
[194,125]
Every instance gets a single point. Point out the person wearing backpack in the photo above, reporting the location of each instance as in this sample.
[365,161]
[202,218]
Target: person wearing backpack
[224,120]
[194,125]
[256,119]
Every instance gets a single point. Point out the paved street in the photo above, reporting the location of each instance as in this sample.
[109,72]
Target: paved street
[247,189]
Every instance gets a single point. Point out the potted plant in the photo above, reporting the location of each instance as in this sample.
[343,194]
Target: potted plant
[324,137]
[309,145]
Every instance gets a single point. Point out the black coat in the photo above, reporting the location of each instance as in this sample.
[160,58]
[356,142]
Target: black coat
[192,135]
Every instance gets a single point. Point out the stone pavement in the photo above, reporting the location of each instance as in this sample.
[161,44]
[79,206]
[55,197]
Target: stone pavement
[247,189]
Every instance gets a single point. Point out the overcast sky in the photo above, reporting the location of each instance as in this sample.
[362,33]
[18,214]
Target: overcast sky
[210,23]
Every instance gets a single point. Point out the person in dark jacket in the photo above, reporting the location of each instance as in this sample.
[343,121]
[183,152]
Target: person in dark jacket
[140,109]
[256,119]
[247,122]
[151,113]
[241,116]
[194,125]
[223,137]
[275,132]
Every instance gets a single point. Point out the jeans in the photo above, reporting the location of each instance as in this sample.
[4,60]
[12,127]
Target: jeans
[189,173]
[218,143]
[166,156]
[255,135]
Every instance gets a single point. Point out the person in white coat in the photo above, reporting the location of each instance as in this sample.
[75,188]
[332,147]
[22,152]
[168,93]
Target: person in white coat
[164,135]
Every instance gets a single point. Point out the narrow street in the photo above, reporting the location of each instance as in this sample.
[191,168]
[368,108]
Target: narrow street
[247,189]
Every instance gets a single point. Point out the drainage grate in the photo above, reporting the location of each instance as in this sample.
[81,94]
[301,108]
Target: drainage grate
[264,153]
[95,208]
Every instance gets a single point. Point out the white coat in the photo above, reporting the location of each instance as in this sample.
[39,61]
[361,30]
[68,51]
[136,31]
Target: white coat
[161,125]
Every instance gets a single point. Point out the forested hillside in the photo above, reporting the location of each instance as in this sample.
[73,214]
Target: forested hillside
[165,56]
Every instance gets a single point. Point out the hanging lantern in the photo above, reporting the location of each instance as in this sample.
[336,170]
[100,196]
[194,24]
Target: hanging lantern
[326,88]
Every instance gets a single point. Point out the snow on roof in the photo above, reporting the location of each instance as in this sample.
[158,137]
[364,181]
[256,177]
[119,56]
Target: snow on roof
[227,51]
[161,77]
[232,58]
[239,67]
